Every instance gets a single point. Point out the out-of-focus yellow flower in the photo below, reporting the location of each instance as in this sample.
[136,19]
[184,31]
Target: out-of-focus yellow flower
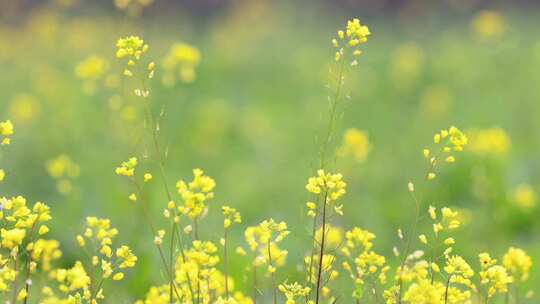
[333,237]
[355,144]
[62,166]
[406,65]
[132,7]
[180,62]
[24,108]
[91,68]
[490,141]
[489,24]
[518,263]
[63,169]
[524,196]
[436,100]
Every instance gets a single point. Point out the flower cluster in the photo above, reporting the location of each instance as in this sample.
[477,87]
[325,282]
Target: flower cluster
[63,169]
[293,291]
[490,141]
[127,168]
[195,194]
[21,231]
[518,263]
[263,240]
[350,39]
[180,63]
[90,71]
[231,215]
[330,187]
[132,49]
[362,263]
[447,141]
[85,282]
[6,130]
[495,277]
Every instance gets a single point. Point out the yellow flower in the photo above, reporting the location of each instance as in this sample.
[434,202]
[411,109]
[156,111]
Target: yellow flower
[355,144]
[524,197]
[195,193]
[292,291]
[91,68]
[118,276]
[333,237]
[350,39]
[491,141]
[6,130]
[330,185]
[131,47]
[447,141]
[518,263]
[231,215]
[147,177]
[489,24]
[12,238]
[494,276]
[180,62]
[24,108]
[127,168]
[127,258]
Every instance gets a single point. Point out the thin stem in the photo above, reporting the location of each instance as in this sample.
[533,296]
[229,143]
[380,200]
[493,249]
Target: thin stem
[254,282]
[446,290]
[321,253]
[274,289]
[15,285]
[171,263]
[333,110]
[226,262]
[313,248]
[409,243]
[152,228]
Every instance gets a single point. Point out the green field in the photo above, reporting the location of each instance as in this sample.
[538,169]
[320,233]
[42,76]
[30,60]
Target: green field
[254,118]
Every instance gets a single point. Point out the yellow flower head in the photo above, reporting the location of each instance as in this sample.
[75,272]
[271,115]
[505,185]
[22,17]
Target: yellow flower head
[489,24]
[518,263]
[349,40]
[131,47]
[12,238]
[6,130]
[92,68]
[231,215]
[330,186]
[181,62]
[355,144]
[127,258]
[127,168]
[524,197]
[293,291]
[195,193]
[447,141]
[490,141]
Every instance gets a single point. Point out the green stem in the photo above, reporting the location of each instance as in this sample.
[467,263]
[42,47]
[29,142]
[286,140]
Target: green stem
[321,253]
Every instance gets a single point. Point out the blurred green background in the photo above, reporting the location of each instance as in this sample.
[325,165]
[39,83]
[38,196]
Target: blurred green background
[252,115]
